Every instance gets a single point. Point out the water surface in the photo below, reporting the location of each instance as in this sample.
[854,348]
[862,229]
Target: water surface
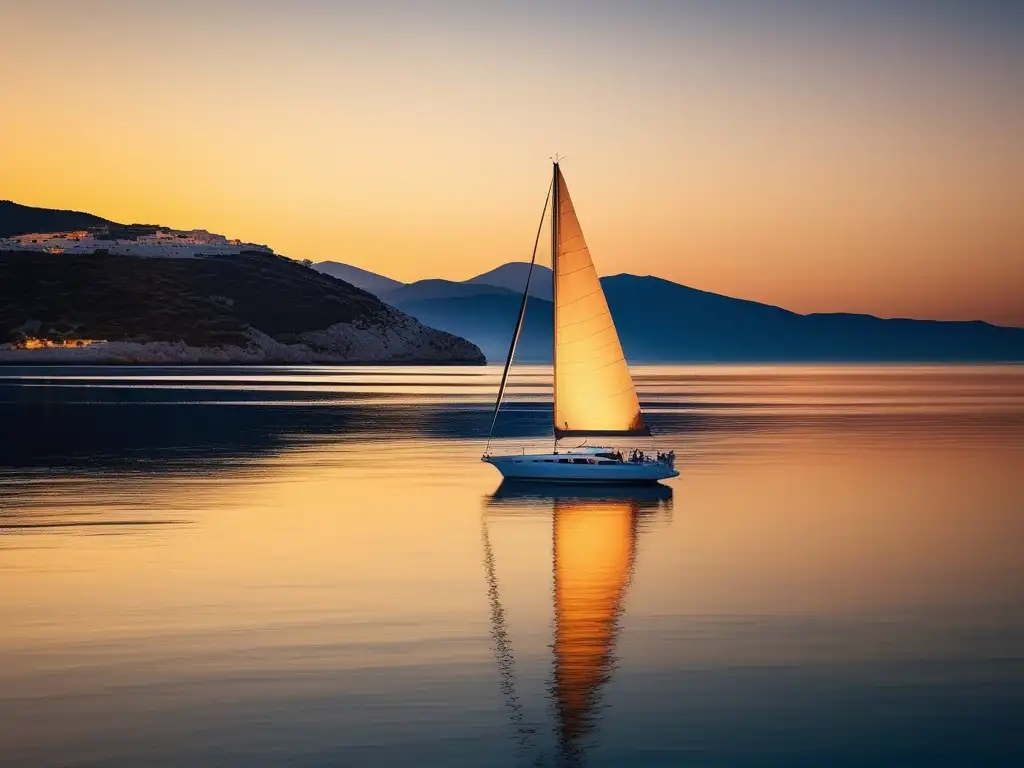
[311,566]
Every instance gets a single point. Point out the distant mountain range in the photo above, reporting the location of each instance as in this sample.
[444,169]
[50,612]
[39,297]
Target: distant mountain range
[662,321]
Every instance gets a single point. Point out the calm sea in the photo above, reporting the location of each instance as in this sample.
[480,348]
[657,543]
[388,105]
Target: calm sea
[311,567]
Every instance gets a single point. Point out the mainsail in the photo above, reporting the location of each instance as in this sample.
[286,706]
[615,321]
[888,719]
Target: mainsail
[594,393]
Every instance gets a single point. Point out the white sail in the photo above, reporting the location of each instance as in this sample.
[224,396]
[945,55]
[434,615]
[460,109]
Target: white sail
[594,393]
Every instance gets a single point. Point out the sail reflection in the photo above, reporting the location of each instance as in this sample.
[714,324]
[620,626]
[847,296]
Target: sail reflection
[594,544]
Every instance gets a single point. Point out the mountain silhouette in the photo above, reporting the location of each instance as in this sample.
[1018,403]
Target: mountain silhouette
[662,321]
[360,278]
[434,288]
[513,277]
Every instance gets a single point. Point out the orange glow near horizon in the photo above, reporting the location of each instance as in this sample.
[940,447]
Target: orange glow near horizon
[34,343]
[818,162]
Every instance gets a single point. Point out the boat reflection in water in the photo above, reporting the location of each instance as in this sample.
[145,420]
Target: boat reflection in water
[594,544]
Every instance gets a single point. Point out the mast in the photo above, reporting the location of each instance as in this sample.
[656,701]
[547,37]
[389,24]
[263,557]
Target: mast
[554,300]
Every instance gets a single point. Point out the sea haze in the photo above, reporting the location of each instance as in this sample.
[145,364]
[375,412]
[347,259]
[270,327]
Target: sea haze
[311,566]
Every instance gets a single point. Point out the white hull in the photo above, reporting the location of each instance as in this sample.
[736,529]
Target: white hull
[569,468]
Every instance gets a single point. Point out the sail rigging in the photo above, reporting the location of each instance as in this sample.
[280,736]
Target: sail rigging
[519,324]
[594,393]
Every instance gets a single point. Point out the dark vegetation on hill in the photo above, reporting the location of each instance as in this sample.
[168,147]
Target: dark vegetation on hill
[205,302]
[18,219]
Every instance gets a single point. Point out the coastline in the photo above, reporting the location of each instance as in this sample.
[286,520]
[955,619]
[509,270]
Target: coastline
[12,363]
[343,344]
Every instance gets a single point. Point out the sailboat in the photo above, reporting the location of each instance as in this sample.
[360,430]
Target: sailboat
[594,395]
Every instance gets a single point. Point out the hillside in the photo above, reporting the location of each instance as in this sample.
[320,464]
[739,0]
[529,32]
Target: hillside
[252,307]
[18,219]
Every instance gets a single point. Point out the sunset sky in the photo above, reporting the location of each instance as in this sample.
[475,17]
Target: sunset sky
[864,157]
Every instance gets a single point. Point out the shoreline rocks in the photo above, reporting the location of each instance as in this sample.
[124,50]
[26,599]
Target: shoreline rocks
[406,341]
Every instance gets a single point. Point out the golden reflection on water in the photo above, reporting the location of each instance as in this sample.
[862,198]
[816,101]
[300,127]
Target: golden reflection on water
[593,546]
